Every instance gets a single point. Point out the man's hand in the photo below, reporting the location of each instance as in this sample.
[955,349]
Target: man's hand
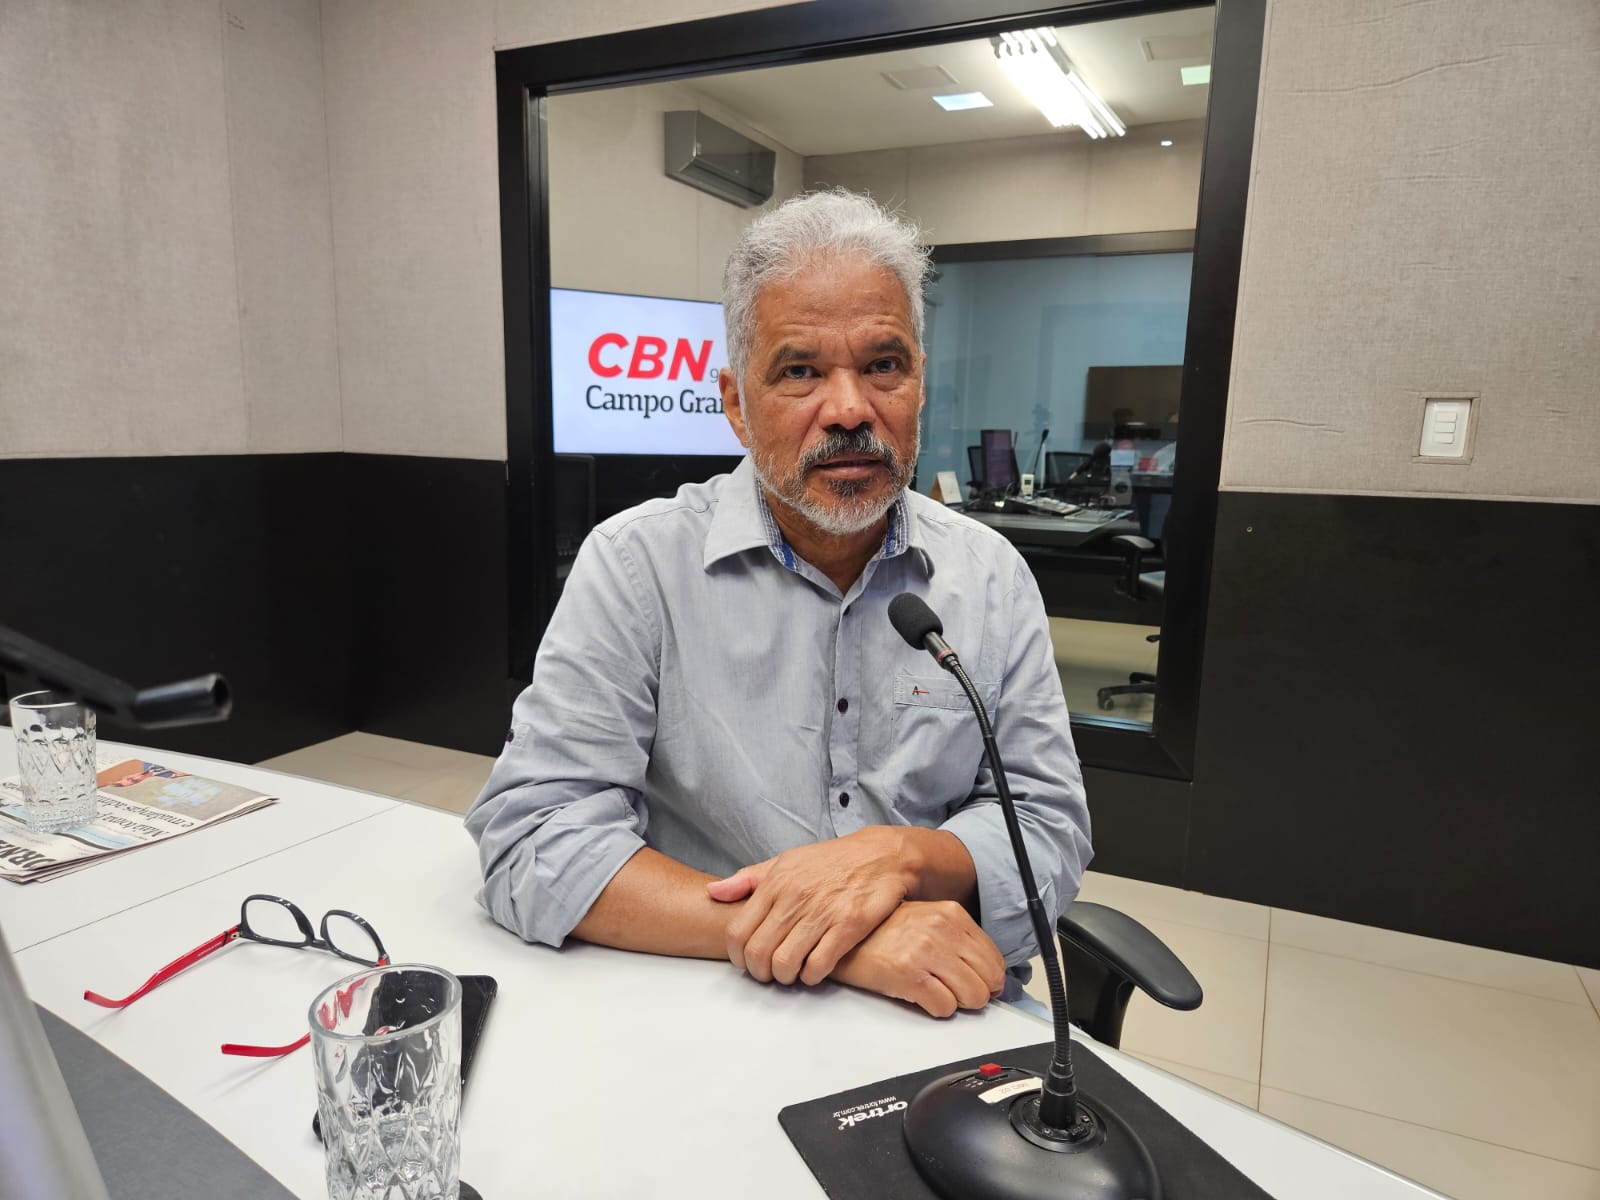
[810,906]
[930,953]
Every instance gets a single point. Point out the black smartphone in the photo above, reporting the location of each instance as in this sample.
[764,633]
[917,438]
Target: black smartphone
[477,994]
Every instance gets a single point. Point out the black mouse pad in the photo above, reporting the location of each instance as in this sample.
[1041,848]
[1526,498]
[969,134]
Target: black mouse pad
[853,1145]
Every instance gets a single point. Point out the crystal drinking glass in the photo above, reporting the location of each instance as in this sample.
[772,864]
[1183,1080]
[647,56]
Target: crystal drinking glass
[55,759]
[387,1045]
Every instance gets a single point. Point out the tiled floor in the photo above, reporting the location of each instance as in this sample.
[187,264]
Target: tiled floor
[1092,654]
[447,779]
[1473,1071]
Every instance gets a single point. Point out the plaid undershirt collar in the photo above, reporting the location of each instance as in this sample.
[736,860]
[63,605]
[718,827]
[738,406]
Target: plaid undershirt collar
[894,537]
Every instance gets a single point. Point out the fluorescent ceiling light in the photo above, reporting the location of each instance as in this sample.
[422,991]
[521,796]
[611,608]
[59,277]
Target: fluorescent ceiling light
[963,100]
[1034,60]
[1194,75]
[1166,141]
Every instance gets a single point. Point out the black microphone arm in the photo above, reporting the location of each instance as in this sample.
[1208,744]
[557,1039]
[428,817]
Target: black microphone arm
[1002,1133]
[186,702]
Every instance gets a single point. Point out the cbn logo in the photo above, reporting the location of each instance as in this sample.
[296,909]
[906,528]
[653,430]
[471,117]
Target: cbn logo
[649,358]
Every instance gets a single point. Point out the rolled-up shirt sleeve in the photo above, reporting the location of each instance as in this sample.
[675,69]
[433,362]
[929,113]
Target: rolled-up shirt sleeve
[1034,736]
[564,807]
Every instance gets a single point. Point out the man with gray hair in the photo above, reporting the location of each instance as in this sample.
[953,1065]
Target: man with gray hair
[726,751]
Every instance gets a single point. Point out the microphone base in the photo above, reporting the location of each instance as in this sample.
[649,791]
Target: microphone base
[977,1137]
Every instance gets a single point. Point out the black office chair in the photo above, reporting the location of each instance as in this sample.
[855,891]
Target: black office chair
[1059,466]
[1090,480]
[1137,584]
[1105,954]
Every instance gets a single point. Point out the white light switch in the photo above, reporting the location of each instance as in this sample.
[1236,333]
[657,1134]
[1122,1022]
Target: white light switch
[1445,422]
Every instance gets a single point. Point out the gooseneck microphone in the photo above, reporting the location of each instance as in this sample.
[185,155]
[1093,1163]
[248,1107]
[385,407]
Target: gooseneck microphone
[916,623]
[1004,1133]
[914,620]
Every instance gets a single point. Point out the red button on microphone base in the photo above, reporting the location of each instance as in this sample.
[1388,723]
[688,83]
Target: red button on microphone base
[990,1070]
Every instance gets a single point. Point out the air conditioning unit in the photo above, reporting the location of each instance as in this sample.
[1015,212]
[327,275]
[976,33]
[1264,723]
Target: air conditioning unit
[716,159]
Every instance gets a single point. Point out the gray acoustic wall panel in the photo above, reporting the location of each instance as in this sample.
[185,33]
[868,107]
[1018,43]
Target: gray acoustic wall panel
[283,229]
[416,222]
[1424,218]
[415,186]
[119,318]
[166,241]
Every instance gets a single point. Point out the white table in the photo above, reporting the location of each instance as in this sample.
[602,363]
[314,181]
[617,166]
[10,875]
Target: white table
[33,912]
[695,1056]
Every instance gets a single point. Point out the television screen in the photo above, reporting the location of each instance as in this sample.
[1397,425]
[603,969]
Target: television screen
[636,375]
[1132,402]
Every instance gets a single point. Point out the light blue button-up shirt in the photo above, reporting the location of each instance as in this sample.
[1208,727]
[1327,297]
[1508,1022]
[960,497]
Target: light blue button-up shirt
[705,691]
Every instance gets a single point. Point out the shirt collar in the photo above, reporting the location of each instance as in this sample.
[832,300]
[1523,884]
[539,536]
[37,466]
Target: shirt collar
[908,531]
[739,524]
[743,521]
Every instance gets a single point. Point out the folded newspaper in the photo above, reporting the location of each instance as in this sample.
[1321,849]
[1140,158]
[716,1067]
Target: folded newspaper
[140,803]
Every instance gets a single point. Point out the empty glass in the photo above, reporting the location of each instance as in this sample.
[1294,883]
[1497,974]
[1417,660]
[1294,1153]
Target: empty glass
[387,1044]
[55,759]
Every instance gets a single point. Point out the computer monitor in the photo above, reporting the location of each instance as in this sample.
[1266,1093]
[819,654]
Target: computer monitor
[999,460]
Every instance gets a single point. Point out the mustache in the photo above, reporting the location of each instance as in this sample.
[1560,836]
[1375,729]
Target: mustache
[861,442]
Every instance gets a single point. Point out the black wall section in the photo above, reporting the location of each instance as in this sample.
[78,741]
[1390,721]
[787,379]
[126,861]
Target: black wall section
[1399,714]
[157,568]
[335,591]
[1397,718]
[1140,824]
[428,617]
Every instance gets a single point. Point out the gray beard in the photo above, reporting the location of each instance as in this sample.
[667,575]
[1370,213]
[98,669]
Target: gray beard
[854,513]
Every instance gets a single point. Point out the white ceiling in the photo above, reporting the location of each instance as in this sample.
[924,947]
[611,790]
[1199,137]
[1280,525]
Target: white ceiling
[845,105]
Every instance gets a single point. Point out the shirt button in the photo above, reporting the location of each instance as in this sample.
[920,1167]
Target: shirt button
[843,704]
[844,799]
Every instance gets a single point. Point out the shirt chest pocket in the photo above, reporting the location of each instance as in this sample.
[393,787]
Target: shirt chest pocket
[937,751]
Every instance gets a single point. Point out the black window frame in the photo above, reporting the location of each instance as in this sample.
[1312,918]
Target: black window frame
[525,79]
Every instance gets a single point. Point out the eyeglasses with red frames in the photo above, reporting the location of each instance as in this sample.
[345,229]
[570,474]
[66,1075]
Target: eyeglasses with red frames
[275,922]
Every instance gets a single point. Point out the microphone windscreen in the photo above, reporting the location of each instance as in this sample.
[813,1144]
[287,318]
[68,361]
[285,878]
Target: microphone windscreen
[913,619]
